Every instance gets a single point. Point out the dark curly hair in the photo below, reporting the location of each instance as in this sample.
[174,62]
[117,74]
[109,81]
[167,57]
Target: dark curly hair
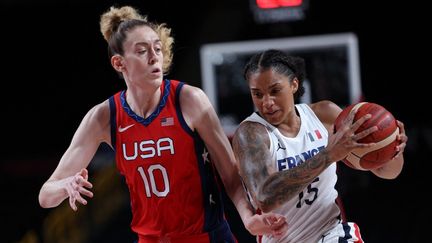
[281,63]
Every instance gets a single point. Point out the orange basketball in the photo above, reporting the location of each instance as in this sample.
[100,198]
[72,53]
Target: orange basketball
[385,137]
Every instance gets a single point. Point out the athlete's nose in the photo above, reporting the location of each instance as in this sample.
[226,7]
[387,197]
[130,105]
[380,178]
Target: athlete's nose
[268,101]
[153,57]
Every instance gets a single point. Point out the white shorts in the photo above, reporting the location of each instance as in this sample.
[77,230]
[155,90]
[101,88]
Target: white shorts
[343,232]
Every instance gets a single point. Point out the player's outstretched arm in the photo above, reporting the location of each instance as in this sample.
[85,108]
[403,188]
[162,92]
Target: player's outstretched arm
[201,116]
[70,178]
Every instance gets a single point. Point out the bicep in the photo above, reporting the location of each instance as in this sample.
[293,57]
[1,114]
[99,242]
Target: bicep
[251,148]
[327,112]
[201,116]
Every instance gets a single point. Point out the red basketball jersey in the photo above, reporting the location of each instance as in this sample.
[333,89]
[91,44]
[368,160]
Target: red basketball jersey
[172,185]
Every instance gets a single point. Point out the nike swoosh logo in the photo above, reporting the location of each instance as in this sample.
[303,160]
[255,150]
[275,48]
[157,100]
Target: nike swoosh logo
[122,129]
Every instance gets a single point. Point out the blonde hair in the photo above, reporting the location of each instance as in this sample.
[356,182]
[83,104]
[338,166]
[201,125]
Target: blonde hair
[116,22]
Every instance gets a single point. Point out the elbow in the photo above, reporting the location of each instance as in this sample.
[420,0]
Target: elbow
[265,203]
[391,170]
[45,201]
[268,197]
[384,174]
[43,198]
[389,176]
[266,207]
[42,201]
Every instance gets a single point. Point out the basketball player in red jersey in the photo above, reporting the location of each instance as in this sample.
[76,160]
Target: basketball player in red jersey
[164,133]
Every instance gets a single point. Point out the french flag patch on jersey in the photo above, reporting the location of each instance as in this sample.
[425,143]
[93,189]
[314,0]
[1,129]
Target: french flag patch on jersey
[316,135]
[167,121]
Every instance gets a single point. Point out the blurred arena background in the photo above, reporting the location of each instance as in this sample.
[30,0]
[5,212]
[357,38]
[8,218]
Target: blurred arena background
[55,67]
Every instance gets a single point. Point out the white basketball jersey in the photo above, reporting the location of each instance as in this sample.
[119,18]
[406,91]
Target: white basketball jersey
[314,211]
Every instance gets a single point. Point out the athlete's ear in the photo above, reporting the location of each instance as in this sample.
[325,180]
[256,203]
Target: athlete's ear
[117,63]
[294,84]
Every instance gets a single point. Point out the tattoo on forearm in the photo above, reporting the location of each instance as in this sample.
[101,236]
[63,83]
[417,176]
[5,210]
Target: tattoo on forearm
[283,186]
[251,144]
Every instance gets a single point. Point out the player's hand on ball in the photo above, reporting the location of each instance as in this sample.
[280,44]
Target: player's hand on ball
[402,137]
[344,140]
[386,139]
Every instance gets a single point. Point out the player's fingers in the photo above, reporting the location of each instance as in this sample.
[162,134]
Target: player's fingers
[279,231]
[81,181]
[86,192]
[72,202]
[81,200]
[84,173]
[359,122]
[350,117]
[402,138]
[86,184]
[401,147]
[279,222]
[267,221]
[365,133]
[401,126]
[268,218]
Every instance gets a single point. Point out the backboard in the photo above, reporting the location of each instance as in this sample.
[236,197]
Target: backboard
[332,72]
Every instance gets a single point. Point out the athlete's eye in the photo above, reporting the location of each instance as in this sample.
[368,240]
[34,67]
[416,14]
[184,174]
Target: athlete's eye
[257,95]
[142,51]
[275,91]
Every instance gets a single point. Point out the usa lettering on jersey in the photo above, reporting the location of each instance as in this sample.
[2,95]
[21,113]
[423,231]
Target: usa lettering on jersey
[147,148]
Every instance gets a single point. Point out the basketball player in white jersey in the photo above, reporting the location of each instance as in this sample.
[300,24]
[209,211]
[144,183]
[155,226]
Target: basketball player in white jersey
[286,152]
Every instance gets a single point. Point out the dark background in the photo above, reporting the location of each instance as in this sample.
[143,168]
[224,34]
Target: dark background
[55,67]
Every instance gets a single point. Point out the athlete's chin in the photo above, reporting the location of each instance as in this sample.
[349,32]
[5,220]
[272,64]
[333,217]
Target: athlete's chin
[275,123]
[155,76]
[273,119]
[155,79]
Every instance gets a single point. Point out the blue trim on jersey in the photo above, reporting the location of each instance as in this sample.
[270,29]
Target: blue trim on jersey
[179,112]
[113,121]
[222,234]
[213,212]
[148,120]
[346,229]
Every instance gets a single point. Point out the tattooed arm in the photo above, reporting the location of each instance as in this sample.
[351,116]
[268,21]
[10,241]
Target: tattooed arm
[269,188]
